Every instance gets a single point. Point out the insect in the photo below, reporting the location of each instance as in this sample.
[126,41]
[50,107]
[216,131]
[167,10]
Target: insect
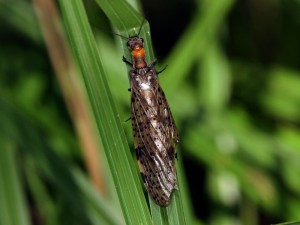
[154,129]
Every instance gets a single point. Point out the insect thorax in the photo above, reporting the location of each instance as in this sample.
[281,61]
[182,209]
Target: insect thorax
[144,79]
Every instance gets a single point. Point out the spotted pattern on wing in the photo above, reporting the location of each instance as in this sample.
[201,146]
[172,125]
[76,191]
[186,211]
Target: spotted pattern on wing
[155,135]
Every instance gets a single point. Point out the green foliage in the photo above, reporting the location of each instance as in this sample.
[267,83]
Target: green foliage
[235,101]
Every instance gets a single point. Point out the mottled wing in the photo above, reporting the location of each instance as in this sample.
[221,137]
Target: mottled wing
[155,136]
[170,130]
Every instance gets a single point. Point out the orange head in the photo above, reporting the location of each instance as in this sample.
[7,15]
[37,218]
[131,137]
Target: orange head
[136,46]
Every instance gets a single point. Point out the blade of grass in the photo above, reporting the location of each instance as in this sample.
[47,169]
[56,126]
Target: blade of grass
[31,142]
[46,206]
[50,22]
[214,81]
[20,15]
[175,210]
[12,204]
[159,214]
[56,170]
[112,135]
[100,209]
[184,192]
[193,43]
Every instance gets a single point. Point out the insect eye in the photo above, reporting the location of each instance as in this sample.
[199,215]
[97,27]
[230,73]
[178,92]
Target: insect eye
[142,40]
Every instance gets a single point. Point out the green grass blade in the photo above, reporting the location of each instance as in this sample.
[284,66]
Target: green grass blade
[12,203]
[184,192]
[111,132]
[101,211]
[159,214]
[175,210]
[20,15]
[194,42]
[46,206]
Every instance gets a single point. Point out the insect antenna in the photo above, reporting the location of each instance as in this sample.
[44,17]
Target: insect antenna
[108,31]
[138,34]
[126,38]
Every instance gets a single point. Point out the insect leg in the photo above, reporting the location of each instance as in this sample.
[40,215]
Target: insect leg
[128,119]
[153,63]
[126,61]
[158,72]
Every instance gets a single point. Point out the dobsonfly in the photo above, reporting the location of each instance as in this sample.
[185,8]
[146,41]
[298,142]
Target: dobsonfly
[154,129]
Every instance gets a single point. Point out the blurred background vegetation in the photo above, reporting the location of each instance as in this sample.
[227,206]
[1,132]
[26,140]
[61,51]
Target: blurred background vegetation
[232,82]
